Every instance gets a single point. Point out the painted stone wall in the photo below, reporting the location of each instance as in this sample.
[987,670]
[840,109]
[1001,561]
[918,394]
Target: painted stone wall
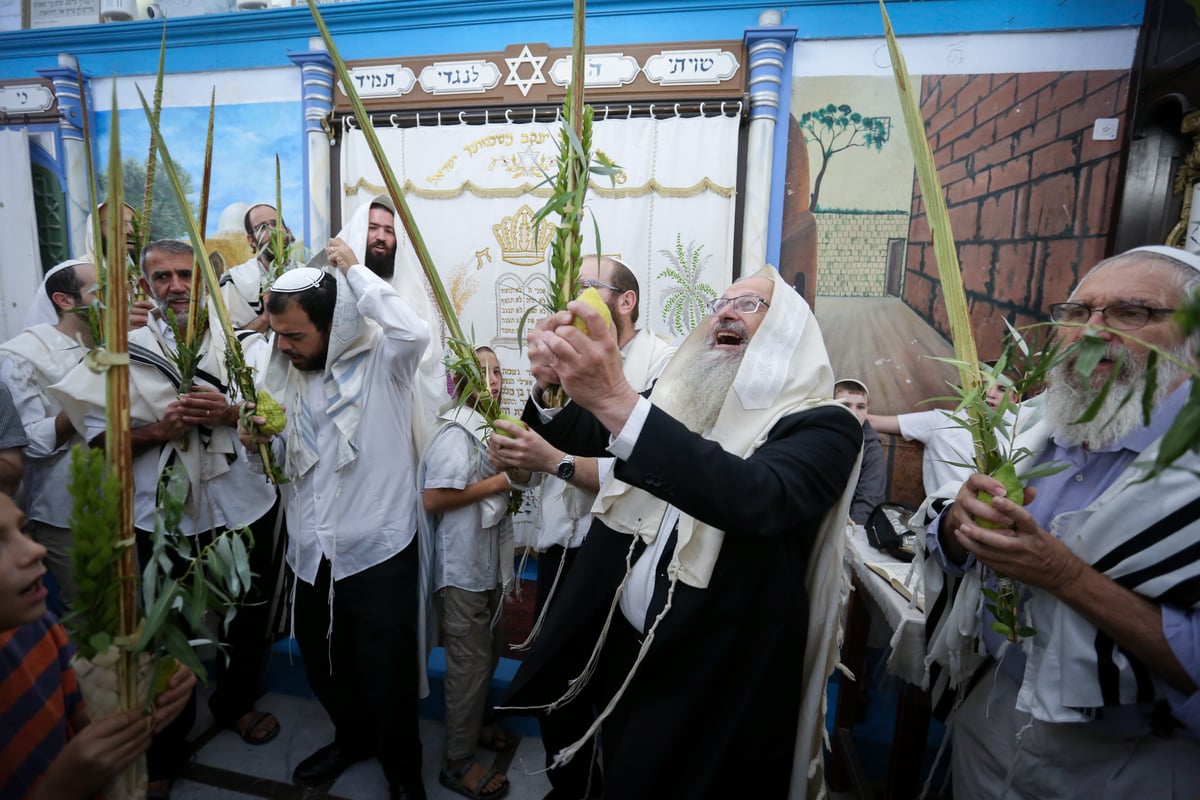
[852,250]
[1029,190]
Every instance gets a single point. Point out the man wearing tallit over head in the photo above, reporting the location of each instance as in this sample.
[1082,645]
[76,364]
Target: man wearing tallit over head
[370,239]
[346,352]
[705,597]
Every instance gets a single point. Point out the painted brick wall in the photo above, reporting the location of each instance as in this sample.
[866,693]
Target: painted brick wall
[852,250]
[1030,193]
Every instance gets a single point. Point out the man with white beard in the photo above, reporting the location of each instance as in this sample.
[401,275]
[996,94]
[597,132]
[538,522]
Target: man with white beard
[704,600]
[1101,701]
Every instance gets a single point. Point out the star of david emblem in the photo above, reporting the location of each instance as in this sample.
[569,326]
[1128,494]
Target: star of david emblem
[514,64]
[527,159]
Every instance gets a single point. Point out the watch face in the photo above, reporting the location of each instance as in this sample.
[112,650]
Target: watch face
[566,469]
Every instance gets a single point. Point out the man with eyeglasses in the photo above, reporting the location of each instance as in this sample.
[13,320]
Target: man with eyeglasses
[704,601]
[30,363]
[1102,700]
[242,286]
[569,485]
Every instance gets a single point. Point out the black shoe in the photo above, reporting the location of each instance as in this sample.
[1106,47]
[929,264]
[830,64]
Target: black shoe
[323,766]
[412,791]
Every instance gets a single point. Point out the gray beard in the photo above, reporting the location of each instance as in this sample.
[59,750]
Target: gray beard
[698,392]
[1068,394]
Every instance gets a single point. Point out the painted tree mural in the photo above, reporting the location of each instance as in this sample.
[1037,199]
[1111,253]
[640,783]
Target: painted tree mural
[838,128]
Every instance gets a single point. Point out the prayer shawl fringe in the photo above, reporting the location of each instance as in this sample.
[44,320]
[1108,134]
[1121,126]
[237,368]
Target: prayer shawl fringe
[643,361]
[1145,535]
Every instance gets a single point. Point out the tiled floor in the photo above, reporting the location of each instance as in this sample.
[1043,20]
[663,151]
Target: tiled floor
[226,767]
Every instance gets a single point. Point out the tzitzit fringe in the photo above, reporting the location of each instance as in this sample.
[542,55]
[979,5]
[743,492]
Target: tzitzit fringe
[537,625]
[577,684]
[567,753]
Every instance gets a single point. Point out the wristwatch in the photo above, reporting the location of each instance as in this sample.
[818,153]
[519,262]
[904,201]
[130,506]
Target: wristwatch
[566,468]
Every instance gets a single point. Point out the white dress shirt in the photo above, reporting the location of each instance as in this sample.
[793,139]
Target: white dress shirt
[364,513]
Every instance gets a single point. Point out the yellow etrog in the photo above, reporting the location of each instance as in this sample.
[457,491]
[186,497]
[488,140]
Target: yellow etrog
[270,409]
[1014,491]
[591,296]
[507,418]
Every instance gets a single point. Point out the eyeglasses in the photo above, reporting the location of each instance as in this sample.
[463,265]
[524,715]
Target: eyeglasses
[587,283]
[743,304]
[1121,316]
[268,225]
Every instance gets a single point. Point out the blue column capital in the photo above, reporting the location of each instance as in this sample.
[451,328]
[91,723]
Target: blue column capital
[68,91]
[316,76]
[320,58]
[784,34]
[769,48]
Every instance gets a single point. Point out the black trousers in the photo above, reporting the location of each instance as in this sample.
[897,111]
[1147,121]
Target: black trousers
[563,726]
[366,674]
[238,682]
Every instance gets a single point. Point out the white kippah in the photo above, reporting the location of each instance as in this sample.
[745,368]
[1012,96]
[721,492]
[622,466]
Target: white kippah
[299,279]
[1183,256]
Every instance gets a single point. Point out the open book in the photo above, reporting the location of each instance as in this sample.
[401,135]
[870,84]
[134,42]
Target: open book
[903,578]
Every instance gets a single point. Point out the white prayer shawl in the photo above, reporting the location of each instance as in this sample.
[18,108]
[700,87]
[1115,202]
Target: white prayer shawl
[242,289]
[429,384]
[154,384]
[38,358]
[1142,534]
[785,370]
[352,337]
[645,357]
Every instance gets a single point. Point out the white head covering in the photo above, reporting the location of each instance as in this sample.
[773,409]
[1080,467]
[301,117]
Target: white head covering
[429,388]
[1182,256]
[40,308]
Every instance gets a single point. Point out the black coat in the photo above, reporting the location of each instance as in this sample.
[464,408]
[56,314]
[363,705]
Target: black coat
[713,707]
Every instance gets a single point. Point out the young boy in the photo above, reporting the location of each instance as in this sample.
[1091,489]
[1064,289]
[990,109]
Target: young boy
[872,475]
[467,499]
[49,749]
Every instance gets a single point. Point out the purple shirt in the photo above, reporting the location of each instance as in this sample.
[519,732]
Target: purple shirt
[1089,474]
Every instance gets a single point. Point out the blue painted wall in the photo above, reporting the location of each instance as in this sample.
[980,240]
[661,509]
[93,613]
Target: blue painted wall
[382,28]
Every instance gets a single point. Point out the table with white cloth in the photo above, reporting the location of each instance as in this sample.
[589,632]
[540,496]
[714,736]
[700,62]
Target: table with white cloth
[906,660]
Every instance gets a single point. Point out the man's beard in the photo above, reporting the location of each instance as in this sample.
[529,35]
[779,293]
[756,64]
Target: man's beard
[698,391]
[165,309]
[1068,394]
[382,265]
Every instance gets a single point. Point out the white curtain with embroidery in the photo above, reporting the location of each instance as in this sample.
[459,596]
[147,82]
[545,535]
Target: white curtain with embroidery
[473,189]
